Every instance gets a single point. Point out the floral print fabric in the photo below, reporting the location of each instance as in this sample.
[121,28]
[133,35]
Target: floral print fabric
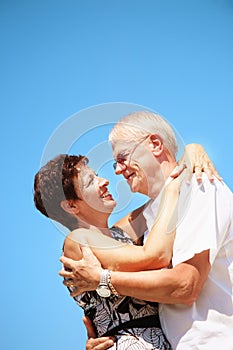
[108,313]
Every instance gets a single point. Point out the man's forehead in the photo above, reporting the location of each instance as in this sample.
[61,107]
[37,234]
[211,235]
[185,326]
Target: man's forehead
[122,147]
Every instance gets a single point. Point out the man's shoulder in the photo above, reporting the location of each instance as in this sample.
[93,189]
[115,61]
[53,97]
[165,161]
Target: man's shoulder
[205,184]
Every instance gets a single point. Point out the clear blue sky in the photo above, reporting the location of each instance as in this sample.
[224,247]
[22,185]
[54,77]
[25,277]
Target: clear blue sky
[60,57]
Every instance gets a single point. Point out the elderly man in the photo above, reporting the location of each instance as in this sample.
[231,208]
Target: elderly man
[195,295]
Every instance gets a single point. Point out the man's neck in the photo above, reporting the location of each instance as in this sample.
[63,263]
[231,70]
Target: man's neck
[158,186]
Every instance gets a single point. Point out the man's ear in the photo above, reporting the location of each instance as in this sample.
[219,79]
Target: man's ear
[156,144]
[69,206]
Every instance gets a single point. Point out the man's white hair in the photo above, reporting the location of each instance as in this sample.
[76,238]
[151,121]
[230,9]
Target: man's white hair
[136,126]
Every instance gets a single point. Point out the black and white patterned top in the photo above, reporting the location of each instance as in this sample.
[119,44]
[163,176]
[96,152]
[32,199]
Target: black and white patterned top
[114,315]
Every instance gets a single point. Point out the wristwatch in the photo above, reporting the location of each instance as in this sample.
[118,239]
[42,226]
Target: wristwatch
[103,289]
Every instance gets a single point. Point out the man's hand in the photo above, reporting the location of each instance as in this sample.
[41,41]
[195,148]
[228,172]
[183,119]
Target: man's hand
[82,275]
[94,343]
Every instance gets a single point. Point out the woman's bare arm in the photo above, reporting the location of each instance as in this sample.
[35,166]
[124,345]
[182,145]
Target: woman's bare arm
[114,255]
[196,160]
[134,224]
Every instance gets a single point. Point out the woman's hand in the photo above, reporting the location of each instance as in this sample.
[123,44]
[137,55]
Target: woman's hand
[196,160]
[94,343]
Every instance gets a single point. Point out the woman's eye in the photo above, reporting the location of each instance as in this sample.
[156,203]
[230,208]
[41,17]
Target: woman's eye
[90,181]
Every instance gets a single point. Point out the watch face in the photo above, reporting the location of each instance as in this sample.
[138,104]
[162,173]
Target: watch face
[103,291]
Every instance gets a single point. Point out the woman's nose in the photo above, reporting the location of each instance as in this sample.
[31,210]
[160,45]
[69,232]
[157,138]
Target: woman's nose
[103,182]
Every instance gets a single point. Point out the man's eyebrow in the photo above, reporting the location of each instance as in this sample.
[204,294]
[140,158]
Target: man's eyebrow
[122,154]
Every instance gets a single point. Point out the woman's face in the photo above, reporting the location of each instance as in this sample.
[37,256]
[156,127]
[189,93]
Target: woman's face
[93,191]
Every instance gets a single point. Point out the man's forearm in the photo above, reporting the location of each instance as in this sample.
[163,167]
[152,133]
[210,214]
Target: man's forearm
[168,286]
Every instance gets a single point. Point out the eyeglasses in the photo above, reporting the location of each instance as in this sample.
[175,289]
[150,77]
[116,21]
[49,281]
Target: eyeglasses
[122,158]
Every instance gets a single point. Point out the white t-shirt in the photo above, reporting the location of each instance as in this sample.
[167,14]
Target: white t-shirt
[205,221]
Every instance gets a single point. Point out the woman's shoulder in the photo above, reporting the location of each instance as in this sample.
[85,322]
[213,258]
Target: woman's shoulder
[73,240]
[78,234]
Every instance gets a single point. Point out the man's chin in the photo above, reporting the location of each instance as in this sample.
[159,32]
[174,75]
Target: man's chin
[136,188]
[133,188]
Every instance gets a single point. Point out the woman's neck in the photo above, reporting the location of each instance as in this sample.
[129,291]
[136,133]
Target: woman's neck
[96,223]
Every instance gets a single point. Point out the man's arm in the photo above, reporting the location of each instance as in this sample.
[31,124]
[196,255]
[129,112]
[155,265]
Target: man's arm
[134,224]
[175,288]
[181,284]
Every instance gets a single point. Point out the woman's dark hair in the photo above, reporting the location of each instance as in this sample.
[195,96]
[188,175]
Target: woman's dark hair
[54,183]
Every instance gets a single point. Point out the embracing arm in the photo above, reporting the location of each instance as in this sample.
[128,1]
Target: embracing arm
[157,251]
[134,224]
[196,160]
[181,284]
[114,255]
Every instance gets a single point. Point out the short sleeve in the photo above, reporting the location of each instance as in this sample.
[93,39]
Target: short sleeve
[196,227]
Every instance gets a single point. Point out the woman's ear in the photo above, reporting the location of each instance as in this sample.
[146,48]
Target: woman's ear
[156,144]
[69,206]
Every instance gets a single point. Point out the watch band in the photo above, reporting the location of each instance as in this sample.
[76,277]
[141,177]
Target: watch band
[104,278]
[113,290]
[103,289]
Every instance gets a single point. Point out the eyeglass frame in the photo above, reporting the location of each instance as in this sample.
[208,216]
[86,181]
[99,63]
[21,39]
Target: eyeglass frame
[129,155]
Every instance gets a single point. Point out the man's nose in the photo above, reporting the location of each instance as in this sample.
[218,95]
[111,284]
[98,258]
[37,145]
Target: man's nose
[119,167]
